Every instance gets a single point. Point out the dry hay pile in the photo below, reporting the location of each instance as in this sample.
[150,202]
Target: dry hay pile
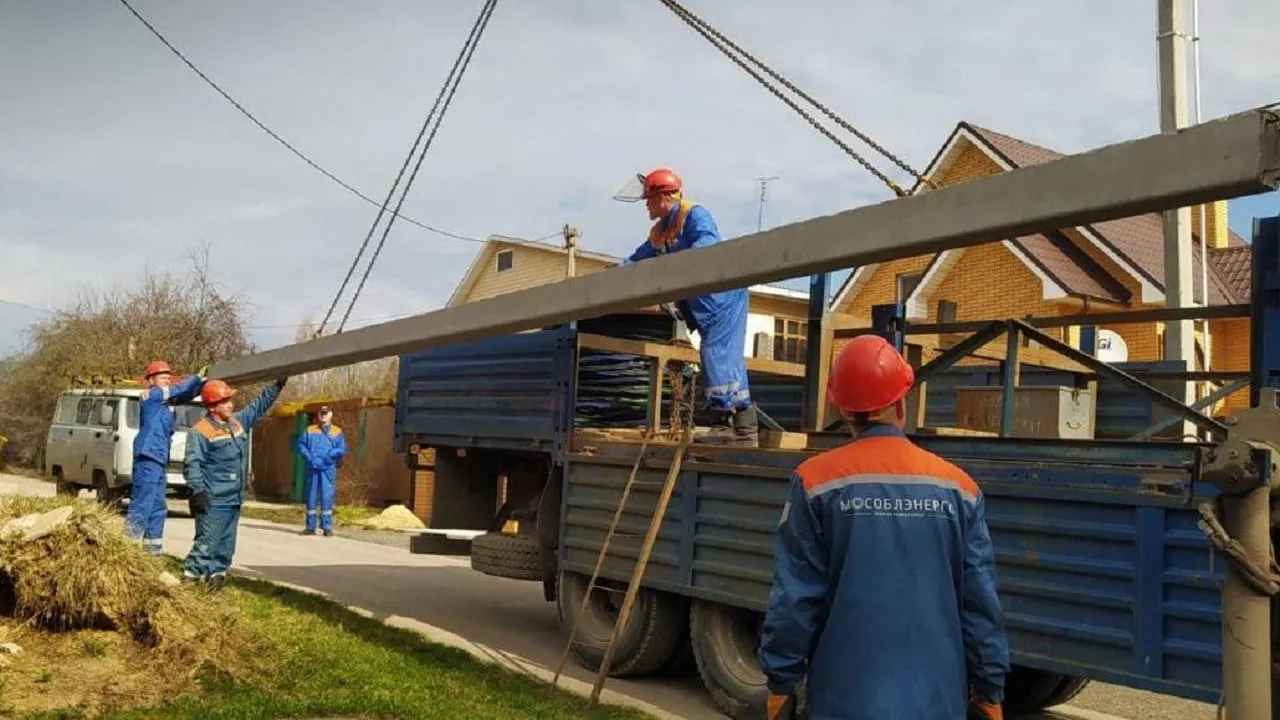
[396,517]
[73,570]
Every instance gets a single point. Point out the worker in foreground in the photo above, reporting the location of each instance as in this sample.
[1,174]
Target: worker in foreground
[884,587]
[719,318]
[216,466]
[322,448]
[147,508]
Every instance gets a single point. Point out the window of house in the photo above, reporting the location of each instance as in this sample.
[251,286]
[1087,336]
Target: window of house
[907,283]
[947,311]
[506,259]
[790,338]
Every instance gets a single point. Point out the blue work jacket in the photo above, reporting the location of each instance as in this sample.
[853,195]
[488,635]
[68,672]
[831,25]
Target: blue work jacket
[322,446]
[155,417]
[884,587]
[217,459]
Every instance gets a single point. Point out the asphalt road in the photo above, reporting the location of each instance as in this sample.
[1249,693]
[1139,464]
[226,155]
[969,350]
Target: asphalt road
[378,573]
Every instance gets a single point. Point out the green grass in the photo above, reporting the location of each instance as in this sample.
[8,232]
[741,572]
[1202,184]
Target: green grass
[343,515]
[329,662]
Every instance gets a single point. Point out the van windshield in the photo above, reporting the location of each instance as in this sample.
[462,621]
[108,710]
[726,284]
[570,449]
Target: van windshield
[184,415]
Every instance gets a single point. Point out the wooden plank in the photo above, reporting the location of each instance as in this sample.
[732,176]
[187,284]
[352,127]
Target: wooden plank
[774,440]
[1216,160]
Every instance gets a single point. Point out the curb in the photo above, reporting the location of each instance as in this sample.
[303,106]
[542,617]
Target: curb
[482,652]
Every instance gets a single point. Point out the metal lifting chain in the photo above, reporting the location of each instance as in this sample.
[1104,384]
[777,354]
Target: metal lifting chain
[445,96]
[726,45]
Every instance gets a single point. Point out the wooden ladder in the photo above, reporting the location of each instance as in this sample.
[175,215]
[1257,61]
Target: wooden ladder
[642,561]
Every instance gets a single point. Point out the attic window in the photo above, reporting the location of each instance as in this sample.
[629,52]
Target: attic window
[505,260]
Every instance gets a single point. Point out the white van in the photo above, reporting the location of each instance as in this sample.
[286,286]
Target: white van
[90,443]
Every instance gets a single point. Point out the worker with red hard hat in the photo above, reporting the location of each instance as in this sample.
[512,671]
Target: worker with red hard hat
[216,466]
[147,508]
[719,318]
[884,588]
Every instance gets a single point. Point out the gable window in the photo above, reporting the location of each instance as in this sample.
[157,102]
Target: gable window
[790,338]
[506,259]
[907,283]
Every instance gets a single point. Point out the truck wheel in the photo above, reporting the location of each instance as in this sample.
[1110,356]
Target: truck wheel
[507,556]
[644,646]
[725,640]
[1029,690]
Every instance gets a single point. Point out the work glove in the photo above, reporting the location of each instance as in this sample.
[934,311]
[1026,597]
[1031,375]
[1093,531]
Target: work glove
[203,372]
[980,709]
[198,504]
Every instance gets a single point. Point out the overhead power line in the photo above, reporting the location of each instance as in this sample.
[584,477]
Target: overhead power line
[443,100]
[275,136]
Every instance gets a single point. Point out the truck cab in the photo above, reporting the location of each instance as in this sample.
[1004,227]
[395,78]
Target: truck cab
[90,442]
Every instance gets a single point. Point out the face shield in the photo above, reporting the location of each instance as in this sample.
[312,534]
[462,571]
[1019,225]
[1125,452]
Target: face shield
[633,191]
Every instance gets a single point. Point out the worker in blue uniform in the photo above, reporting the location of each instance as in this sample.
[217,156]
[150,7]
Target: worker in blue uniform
[147,508]
[719,318]
[322,448]
[216,466]
[884,588]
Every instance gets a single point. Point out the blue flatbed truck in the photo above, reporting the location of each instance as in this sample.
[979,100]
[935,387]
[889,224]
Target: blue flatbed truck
[1104,571]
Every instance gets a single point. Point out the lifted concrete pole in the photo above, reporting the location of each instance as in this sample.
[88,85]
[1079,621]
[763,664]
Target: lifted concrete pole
[1234,156]
[1179,336]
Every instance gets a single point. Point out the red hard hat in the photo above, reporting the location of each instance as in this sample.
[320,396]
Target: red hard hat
[215,391]
[869,374]
[155,367]
[661,181]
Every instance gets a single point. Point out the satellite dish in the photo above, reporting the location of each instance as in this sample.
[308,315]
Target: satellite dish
[1111,347]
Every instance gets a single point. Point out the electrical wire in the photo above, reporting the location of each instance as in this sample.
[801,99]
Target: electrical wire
[469,48]
[727,47]
[476,27]
[275,136]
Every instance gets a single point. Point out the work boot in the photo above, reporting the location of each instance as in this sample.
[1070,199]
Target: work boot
[746,427]
[719,430]
[328,533]
[217,582]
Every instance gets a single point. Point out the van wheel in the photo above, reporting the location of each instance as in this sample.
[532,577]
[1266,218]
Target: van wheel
[1029,690]
[61,487]
[644,646]
[107,495]
[725,640]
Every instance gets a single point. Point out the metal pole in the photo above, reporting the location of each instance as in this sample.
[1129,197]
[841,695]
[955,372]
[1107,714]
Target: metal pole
[817,354]
[1200,209]
[764,181]
[1179,336]
[571,236]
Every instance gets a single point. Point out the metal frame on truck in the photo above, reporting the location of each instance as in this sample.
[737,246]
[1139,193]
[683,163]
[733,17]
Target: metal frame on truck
[1105,569]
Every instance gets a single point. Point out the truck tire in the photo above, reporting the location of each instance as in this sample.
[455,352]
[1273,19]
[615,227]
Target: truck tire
[647,643]
[725,640]
[1029,690]
[506,556]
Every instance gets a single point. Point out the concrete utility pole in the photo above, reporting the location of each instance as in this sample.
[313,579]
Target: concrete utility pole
[1179,337]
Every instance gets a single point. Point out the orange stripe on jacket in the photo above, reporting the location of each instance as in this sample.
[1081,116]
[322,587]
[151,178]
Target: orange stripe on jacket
[882,455]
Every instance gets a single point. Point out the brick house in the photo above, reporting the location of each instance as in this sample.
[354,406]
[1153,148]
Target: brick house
[1105,267]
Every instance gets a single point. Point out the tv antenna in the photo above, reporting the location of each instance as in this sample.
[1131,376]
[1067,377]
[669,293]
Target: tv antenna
[764,184]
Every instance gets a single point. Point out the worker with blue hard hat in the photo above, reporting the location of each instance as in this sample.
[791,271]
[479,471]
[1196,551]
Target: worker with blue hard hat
[884,588]
[719,318]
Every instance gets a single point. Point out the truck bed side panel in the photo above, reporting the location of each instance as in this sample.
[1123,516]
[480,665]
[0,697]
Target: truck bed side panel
[1079,552]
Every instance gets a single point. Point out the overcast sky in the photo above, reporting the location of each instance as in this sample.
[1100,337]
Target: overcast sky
[116,157]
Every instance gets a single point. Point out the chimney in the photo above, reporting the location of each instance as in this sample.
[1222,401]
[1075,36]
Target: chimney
[1215,219]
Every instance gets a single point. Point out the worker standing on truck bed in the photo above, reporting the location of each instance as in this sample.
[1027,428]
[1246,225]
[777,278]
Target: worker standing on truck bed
[884,588]
[147,508]
[719,318]
[216,466]
[322,447]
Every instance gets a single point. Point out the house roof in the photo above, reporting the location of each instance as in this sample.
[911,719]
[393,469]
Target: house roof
[496,242]
[1139,239]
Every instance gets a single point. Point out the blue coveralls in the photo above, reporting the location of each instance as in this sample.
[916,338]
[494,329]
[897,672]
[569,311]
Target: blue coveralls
[321,446]
[884,586]
[217,464]
[720,318]
[147,509]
